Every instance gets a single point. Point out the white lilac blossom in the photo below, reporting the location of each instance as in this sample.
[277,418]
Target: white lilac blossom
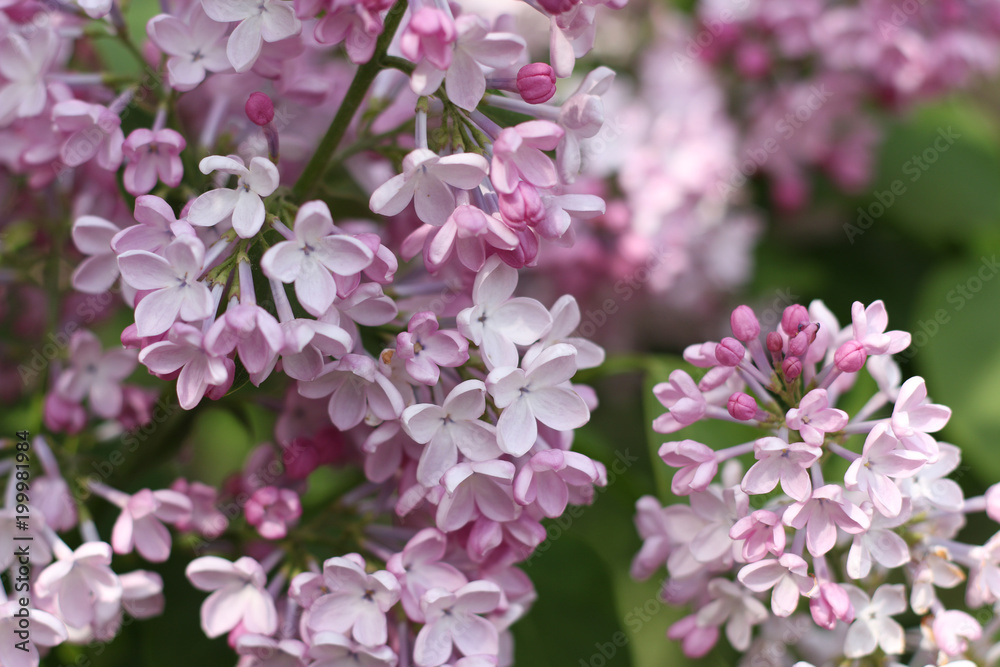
[825,488]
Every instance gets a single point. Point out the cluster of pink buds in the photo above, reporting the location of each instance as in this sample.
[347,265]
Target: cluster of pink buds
[850,516]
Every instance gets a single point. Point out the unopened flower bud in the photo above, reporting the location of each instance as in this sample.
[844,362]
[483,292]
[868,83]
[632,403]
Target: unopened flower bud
[536,83]
[850,357]
[742,406]
[744,324]
[791,368]
[793,317]
[260,109]
[774,342]
[730,352]
[522,207]
[798,344]
[558,6]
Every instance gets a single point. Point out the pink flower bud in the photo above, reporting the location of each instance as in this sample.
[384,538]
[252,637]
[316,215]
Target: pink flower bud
[536,82]
[792,368]
[993,502]
[850,356]
[730,352]
[744,324]
[793,318]
[558,6]
[742,406]
[774,342]
[272,510]
[522,207]
[259,109]
[798,344]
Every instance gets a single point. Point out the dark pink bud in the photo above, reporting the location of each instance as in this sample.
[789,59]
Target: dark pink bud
[791,367]
[774,342]
[730,352]
[850,357]
[536,83]
[744,323]
[522,207]
[260,109]
[793,317]
[558,6]
[742,406]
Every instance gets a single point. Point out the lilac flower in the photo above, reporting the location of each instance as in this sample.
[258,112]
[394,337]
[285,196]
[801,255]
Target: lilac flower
[786,577]
[565,314]
[498,322]
[420,566]
[140,525]
[238,598]
[537,392]
[316,252]
[184,350]
[476,488]
[697,463]
[357,390]
[475,49]
[545,481]
[778,460]
[156,228]
[869,329]
[913,417]
[94,133]
[46,630]
[196,46]
[269,652]
[454,425]
[761,533]
[79,583]
[23,64]
[517,156]
[813,419]
[581,117]
[880,544]
[271,510]
[151,156]
[355,23]
[735,606]
[822,514]
[952,628]
[427,180]
[268,21]
[429,34]
[95,375]
[357,602]
[92,236]
[249,329]
[173,279]
[244,203]
[881,460]
[332,649]
[874,626]
[453,620]
[685,402]
[425,347]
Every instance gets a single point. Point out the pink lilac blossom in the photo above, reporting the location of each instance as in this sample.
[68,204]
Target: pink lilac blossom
[863,490]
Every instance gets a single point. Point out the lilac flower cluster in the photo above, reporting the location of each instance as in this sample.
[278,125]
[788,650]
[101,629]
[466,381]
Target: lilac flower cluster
[452,393]
[864,523]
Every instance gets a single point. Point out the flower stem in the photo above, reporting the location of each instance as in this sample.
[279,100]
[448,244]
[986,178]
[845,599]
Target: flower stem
[352,101]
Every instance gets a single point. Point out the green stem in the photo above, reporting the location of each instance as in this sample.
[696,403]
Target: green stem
[352,101]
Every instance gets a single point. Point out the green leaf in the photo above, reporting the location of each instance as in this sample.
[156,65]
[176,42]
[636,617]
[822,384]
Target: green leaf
[574,617]
[955,344]
[938,176]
